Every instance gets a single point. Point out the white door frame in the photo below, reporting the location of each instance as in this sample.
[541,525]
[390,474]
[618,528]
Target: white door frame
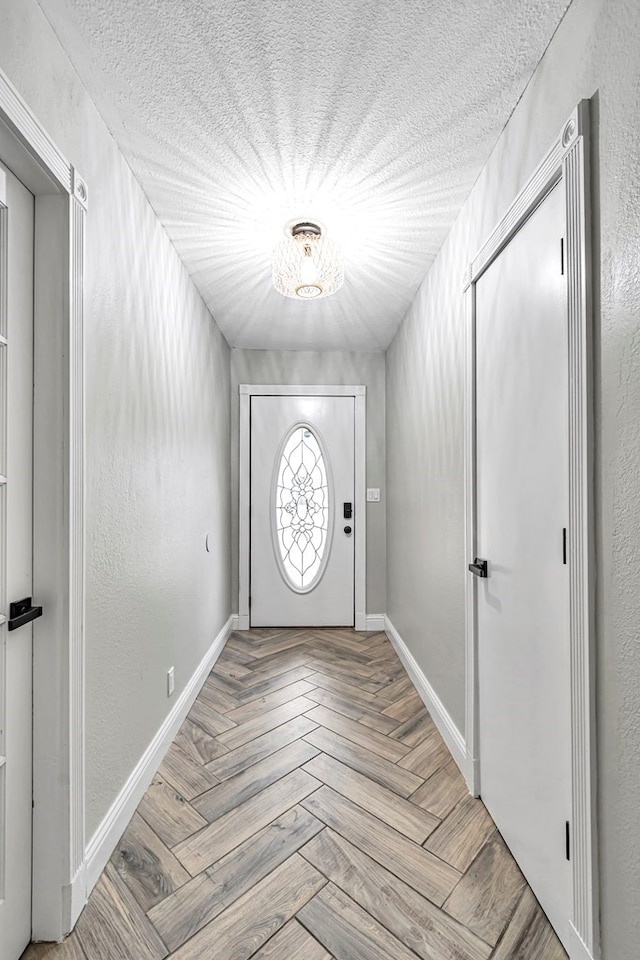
[58,493]
[565,164]
[248,390]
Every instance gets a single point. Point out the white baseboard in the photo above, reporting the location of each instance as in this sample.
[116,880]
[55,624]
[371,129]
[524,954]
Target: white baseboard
[104,840]
[442,719]
[577,948]
[370,621]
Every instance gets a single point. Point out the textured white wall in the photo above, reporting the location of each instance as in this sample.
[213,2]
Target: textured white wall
[293,367]
[595,53]
[157,375]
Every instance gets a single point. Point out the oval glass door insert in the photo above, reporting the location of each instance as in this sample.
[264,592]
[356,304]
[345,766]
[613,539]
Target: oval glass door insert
[301,509]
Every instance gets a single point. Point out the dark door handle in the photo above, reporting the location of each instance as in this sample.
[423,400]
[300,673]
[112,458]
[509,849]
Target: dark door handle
[21,612]
[347,529]
[479,568]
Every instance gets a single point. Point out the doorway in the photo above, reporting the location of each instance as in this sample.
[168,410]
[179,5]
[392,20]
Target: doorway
[57,879]
[539,478]
[311,571]
[302,513]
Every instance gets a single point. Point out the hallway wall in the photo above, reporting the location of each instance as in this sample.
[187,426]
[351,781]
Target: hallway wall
[157,414]
[595,53]
[293,367]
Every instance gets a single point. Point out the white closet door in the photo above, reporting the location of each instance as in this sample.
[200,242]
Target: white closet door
[522,510]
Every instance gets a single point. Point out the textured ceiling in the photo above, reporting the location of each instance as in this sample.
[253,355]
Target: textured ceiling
[373,117]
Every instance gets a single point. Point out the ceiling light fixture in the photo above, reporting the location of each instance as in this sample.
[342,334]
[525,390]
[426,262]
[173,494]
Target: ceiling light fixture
[306,265]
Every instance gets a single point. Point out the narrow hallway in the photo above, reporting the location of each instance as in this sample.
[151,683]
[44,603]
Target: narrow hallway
[309,809]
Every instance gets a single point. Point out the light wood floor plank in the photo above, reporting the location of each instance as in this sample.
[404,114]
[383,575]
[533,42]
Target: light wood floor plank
[430,754]
[430,876]
[403,816]
[214,841]
[370,764]
[358,665]
[345,689]
[355,711]
[271,684]
[398,689]
[168,813]
[229,668]
[292,942]
[415,730]
[249,753]
[69,949]
[207,717]
[442,791]
[462,835]
[346,675]
[227,685]
[234,791]
[271,667]
[416,922]
[198,745]
[112,926]
[260,706]
[487,894]
[405,708]
[348,931]
[349,643]
[239,648]
[198,902]
[529,935]
[249,922]
[268,720]
[276,646]
[222,702]
[146,865]
[187,776]
[357,733]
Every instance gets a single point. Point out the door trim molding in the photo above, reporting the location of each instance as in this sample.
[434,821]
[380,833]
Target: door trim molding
[566,163]
[59,552]
[359,393]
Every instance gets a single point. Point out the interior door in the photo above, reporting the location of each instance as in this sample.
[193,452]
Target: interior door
[522,516]
[302,511]
[16,506]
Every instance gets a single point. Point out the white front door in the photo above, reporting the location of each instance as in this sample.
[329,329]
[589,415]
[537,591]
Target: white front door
[522,516]
[302,511]
[16,562]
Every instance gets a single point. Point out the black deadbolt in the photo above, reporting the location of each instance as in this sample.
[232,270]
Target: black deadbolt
[347,529]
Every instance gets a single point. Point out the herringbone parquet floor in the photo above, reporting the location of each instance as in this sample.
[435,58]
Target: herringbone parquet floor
[308,809]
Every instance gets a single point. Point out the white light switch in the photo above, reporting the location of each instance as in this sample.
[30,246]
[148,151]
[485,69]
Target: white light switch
[373,494]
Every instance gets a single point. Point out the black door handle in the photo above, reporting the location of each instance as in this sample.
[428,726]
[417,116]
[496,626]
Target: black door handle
[21,612]
[479,568]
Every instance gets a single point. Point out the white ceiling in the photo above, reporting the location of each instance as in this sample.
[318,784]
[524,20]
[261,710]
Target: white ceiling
[372,116]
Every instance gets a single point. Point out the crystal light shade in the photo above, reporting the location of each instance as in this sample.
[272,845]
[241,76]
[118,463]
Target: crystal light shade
[306,264]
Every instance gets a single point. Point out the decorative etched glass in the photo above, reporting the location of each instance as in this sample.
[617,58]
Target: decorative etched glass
[302,508]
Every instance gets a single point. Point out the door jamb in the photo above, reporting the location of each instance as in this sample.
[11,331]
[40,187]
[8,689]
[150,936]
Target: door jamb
[566,163]
[58,533]
[248,390]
